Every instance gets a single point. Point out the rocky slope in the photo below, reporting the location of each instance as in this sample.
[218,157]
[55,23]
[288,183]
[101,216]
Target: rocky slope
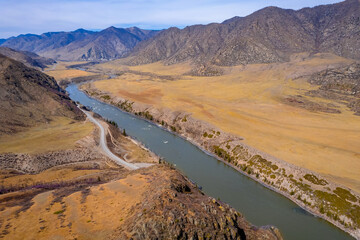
[342,84]
[28,58]
[155,203]
[268,35]
[46,41]
[108,44]
[28,97]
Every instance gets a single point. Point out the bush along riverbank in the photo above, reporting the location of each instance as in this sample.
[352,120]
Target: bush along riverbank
[311,191]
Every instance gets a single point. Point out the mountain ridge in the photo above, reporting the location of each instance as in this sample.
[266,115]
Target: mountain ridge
[261,37]
[81,44]
[29,97]
[269,35]
[28,58]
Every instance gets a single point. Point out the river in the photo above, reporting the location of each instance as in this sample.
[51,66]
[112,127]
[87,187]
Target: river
[258,204]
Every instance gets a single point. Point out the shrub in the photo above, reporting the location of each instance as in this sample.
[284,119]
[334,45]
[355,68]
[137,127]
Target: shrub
[106,97]
[312,178]
[60,211]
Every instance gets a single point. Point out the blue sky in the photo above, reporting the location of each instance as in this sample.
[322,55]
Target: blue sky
[38,16]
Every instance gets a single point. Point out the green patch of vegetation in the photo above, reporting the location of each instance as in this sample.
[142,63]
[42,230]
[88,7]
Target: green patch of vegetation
[124,132]
[345,194]
[263,164]
[112,123]
[162,122]
[272,176]
[222,153]
[274,167]
[338,206]
[126,106]
[227,146]
[218,133]
[173,128]
[184,119]
[146,115]
[106,97]
[313,179]
[59,212]
[239,152]
[302,186]
[209,135]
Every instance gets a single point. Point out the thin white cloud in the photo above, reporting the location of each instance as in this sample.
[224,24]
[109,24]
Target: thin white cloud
[38,16]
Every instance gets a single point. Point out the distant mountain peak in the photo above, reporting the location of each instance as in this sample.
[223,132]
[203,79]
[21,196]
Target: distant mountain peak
[81,30]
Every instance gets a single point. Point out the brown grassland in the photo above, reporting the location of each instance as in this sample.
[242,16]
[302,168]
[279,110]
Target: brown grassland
[60,134]
[248,102]
[61,72]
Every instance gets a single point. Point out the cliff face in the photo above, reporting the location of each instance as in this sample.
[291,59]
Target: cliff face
[28,96]
[269,35]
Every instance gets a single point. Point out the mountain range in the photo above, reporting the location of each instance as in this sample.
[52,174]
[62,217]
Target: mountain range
[30,59]
[266,36]
[81,44]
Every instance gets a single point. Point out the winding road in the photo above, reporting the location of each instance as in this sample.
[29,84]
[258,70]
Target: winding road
[107,151]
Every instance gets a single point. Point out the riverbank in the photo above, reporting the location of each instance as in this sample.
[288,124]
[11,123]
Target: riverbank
[307,189]
[84,194]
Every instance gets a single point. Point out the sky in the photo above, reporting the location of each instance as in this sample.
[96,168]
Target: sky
[39,16]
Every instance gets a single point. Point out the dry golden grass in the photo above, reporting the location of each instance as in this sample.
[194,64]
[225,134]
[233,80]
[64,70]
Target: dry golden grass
[51,175]
[60,71]
[60,134]
[246,102]
[91,216]
[156,67]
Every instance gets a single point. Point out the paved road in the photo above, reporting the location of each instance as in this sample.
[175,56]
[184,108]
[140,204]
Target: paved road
[107,151]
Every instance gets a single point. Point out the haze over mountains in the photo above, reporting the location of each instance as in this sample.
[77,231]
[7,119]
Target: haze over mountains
[81,44]
[30,59]
[268,35]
